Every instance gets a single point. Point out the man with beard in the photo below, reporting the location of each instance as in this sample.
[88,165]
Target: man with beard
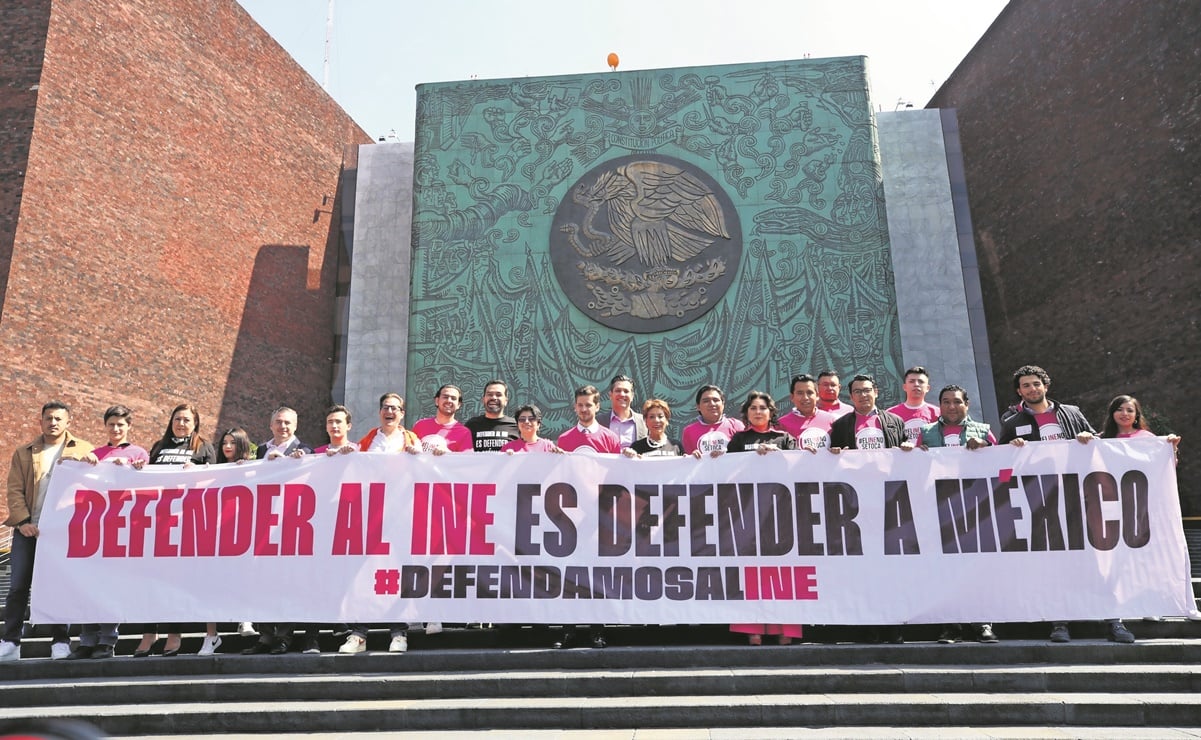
[1038,419]
[442,432]
[493,429]
[868,428]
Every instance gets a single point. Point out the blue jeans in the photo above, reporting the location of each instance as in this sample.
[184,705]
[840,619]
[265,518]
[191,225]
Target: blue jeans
[23,550]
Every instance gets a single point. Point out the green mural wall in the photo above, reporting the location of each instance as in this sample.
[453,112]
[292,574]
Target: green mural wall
[717,224]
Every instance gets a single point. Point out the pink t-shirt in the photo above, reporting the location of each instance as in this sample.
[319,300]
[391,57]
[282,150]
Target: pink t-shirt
[869,435]
[811,432]
[520,445]
[599,439]
[128,451]
[915,417]
[710,437]
[454,436]
[1136,433]
[838,408]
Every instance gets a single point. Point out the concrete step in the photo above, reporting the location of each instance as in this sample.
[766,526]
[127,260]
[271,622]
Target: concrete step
[724,710]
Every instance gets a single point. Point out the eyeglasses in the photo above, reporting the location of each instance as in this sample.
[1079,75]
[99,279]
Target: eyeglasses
[863,391]
[390,408]
[526,419]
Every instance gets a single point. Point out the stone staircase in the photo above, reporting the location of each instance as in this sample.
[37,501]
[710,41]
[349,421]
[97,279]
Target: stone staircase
[697,680]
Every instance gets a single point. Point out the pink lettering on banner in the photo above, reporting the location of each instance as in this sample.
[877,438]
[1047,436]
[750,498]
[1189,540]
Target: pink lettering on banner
[350,535]
[780,583]
[452,518]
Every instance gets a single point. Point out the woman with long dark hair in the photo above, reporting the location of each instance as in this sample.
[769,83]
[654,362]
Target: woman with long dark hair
[181,443]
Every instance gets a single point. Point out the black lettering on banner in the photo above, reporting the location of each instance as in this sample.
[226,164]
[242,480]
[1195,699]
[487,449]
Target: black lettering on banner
[806,519]
[709,584]
[613,506]
[701,520]
[548,582]
[1073,514]
[527,519]
[575,583]
[1136,520]
[736,520]
[673,520]
[843,536]
[440,581]
[775,519]
[614,583]
[560,496]
[677,584]
[414,582]
[1007,516]
[1042,496]
[516,581]
[900,534]
[964,515]
[648,583]
[1099,486]
[489,578]
[645,522]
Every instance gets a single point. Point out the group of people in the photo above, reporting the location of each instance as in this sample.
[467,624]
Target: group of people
[818,420]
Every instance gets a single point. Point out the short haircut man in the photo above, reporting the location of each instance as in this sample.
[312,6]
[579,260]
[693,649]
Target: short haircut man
[588,433]
[914,410]
[808,424]
[28,480]
[283,442]
[623,420]
[868,428]
[442,432]
[954,428]
[493,429]
[1036,417]
[390,435]
[337,428]
[711,433]
[828,387]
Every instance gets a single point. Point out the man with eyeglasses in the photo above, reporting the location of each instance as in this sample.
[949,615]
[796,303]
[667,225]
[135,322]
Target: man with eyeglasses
[491,430]
[390,435]
[868,428]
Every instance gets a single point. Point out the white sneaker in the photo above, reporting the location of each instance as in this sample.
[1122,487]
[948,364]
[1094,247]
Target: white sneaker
[60,650]
[246,629]
[9,651]
[353,644]
[433,628]
[400,644]
[211,643]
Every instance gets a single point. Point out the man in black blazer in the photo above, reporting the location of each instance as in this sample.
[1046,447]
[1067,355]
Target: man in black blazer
[867,427]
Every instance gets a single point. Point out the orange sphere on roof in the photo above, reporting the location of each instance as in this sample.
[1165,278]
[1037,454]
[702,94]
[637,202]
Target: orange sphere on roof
[613,60]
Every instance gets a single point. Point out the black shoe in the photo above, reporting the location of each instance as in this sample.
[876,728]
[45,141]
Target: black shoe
[259,648]
[311,646]
[598,640]
[102,651]
[986,634]
[566,640]
[83,652]
[280,648]
[170,653]
[949,636]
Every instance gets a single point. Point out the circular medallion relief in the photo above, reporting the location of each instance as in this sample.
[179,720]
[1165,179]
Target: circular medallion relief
[645,243]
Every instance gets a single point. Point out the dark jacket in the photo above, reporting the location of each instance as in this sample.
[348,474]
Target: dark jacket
[295,444]
[1022,423]
[842,431]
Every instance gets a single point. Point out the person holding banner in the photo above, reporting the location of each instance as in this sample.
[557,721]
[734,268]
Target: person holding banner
[28,481]
[868,428]
[657,415]
[337,428]
[181,444]
[914,410]
[627,424]
[589,432]
[390,435]
[529,421]
[711,432]
[1037,418]
[491,430]
[759,414]
[806,422]
[1124,419]
[99,641]
[954,428]
[442,432]
[235,448]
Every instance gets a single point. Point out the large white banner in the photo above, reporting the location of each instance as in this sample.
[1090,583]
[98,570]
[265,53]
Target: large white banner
[1054,530]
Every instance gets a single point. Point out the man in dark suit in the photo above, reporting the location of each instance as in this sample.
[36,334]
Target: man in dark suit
[283,442]
[627,424]
[867,428]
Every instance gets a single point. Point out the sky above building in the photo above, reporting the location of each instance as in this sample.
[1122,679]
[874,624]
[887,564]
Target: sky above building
[380,50]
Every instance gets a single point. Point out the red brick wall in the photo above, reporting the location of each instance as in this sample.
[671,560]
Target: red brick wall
[1081,132]
[22,42]
[178,232]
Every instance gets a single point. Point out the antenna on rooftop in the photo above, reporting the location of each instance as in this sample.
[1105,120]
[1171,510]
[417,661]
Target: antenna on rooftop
[329,40]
